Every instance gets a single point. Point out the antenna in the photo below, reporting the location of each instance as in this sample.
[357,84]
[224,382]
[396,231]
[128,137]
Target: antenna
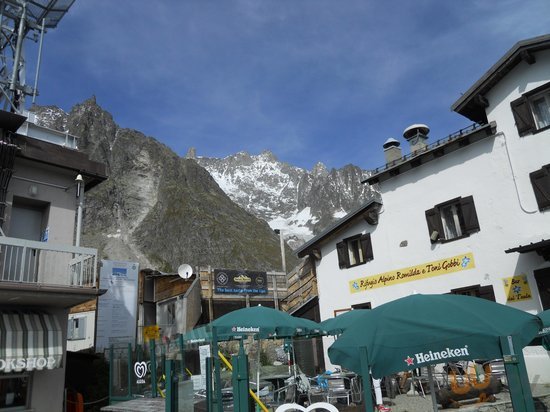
[22,20]
[185,271]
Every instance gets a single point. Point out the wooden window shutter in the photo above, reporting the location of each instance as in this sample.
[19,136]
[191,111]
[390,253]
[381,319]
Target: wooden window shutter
[366,247]
[540,180]
[523,116]
[343,257]
[471,224]
[434,224]
[487,292]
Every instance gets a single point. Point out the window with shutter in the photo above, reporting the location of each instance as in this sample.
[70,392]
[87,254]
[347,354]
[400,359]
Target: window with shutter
[540,180]
[532,110]
[342,255]
[355,250]
[451,220]
[523,116]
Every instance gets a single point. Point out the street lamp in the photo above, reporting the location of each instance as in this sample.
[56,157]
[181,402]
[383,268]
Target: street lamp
[80,199]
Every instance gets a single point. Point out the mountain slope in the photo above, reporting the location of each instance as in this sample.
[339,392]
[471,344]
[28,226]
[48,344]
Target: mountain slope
[158,208]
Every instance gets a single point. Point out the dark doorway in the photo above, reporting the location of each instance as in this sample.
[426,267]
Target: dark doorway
[542,277]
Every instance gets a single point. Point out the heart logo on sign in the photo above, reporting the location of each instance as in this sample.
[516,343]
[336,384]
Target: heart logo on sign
[140,369]
[313,407]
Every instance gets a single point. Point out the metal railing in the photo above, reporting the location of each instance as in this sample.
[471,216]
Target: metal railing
[460,133]
[45,263]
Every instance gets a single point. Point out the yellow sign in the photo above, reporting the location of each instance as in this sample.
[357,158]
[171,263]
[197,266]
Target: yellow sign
[517,288]
[151,332]
[424,271]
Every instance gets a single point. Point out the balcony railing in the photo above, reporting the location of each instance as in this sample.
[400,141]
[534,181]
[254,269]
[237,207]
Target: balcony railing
[45,263]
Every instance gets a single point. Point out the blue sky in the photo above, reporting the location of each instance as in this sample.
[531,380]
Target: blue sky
[309,80]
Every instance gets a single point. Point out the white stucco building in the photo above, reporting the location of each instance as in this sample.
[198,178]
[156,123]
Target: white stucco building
[467,214]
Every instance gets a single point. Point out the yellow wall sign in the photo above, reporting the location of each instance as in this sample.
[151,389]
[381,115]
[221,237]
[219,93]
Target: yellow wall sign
[151,332]
[423,271]
[517,288]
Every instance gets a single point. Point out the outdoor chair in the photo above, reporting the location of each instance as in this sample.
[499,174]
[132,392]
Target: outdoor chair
[339,388]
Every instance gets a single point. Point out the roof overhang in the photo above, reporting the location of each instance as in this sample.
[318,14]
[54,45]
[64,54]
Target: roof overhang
[52,154]
[368,212]
[542,248]
[35,295]
[473,103]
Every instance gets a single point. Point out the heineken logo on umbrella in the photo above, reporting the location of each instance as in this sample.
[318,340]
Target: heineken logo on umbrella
[245,329]
[431,356]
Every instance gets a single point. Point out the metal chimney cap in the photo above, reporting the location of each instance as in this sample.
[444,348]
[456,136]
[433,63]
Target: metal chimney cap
[416,129]
[391,142]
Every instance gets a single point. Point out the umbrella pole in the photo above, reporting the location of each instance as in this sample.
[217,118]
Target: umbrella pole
[518,382]
[258,369]
[365,373]
[217,377]
[432,387]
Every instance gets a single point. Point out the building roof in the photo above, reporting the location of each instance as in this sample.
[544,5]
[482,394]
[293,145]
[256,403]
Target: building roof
[455,141]
[473,103]
[368,211]
[56,155]
[542,248]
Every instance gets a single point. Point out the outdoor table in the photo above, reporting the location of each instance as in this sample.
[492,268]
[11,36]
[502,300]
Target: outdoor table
[278,382]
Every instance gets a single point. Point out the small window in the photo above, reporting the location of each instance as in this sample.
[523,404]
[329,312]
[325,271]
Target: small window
[365,305]
[478,291]
[532,110]
[14,392]
[354,251]
[540,179]
[76,329]
[168,313]
[452,220]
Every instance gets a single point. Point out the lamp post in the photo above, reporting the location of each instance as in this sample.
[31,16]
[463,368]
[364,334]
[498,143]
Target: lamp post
[80,199]
[283,262]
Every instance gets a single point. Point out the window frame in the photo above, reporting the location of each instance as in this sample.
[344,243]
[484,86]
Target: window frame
[357,246]
[484,292]
[540,181]
[21,375]
[466,215]
[80,327]
[524,112]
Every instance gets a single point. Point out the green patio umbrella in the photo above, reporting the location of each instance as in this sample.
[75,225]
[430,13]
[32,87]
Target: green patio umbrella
[262,322]
[545,331]
[338,324]
[421,330]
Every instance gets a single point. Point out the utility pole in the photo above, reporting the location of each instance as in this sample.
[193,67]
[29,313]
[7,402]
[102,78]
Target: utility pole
[283,262]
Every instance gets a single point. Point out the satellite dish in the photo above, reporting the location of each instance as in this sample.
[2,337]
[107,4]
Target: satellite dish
[185,271]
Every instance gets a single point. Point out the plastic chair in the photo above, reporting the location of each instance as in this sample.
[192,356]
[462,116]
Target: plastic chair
[339,388]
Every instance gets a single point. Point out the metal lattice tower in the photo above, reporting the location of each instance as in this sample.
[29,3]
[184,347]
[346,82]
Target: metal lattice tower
[21,21]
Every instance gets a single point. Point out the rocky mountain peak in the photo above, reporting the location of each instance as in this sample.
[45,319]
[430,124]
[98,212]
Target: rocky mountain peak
[157,208]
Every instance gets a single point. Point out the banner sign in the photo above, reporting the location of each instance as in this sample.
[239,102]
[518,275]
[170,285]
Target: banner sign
[423,271]
[240,281]
[517,288]
[117,309]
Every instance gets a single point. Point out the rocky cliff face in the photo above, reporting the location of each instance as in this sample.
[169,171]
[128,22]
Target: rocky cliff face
[299,202]
[157,208]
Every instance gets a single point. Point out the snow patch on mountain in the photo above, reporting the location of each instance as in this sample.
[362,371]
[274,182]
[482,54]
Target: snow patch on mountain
[298,202]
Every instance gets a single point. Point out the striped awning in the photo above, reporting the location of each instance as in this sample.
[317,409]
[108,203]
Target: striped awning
[29,340]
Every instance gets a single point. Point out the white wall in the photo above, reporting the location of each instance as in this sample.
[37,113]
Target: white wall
[88,341]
